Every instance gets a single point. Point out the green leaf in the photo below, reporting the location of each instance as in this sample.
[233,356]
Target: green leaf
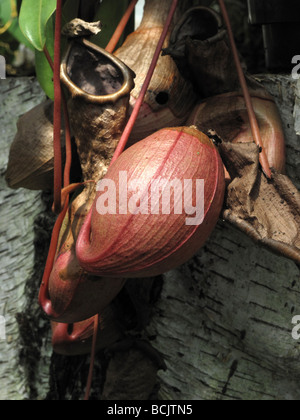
[13,28]
[44,72]
[34,16]
[15,31]
[5,11]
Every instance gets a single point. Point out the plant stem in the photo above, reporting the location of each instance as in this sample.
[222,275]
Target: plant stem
[43,296]
[68,162]
[252,117]
[129,127]
[57,110]
[121,27]
[92,362]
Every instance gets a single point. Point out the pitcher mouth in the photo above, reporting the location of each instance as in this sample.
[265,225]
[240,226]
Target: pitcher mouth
[92,73]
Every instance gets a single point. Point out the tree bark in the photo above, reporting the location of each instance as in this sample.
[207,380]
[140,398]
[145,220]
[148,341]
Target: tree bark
[18,212]
[221,325]
[224,320]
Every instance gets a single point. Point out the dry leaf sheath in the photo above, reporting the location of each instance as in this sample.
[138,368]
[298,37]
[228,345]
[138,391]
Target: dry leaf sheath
[266,210]
[31,158]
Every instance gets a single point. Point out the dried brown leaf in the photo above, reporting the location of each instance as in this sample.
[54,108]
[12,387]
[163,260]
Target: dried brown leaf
[266,210]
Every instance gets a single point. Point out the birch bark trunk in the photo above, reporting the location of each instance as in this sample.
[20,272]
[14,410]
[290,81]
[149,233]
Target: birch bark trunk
[224,320]
[18,212]
[222,323]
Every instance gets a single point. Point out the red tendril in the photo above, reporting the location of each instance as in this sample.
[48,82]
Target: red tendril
[57,110]
[44,298]
[121,27]
[92,363]
[129,127]
[252,117]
